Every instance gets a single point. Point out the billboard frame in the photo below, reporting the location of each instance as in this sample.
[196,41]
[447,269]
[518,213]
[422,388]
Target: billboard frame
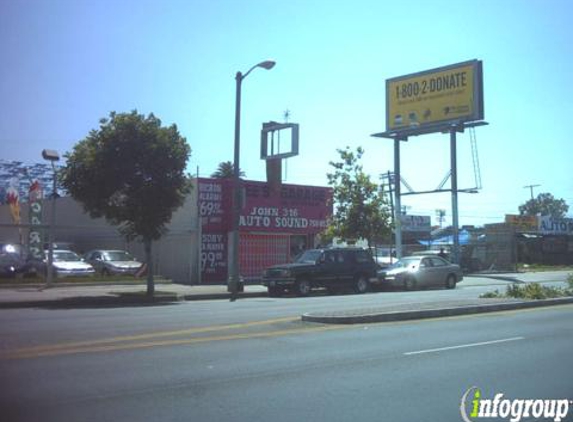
[476,107]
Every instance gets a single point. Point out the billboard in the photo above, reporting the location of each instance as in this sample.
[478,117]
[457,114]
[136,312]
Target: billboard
[550,225]
[428,101]
[522,223]
[416,223]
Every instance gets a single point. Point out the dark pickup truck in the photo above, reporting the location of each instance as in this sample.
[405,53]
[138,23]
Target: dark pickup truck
[333,269]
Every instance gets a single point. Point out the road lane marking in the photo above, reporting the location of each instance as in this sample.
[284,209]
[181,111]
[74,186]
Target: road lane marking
[132,346]
[41,349]
[464,346]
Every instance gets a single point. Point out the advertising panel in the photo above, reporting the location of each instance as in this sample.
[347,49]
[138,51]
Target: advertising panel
[289,209]
[35,243]
[522,223]
[214,256]
[269,217]
[429,100]
[549,225]
[416,223]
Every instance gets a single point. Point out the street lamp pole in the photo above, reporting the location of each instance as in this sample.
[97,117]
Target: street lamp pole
[233,281]
[51,156]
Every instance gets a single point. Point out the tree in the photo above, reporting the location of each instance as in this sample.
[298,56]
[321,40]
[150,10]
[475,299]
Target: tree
[360,208]
[226,171]
[545,204]
[131,172]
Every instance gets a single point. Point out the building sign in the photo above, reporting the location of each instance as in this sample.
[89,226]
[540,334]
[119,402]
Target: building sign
[214,256]
[549,225]
[290,209]
[429,100]
[522,223]
[214,203]
[416,223]
[281,212]
[35,245]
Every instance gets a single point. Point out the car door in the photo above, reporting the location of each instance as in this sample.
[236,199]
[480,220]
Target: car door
[326,274]
[345,266]
[441,270]
[425,273]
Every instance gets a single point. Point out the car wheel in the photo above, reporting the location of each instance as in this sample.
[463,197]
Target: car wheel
[275,291]
[302,287]
[451,282]
[410,283]
[361,285]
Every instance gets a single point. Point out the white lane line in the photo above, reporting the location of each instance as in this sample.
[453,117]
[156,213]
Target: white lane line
[463,346]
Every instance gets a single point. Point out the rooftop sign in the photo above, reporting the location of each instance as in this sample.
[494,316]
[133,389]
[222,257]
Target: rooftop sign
[428,101]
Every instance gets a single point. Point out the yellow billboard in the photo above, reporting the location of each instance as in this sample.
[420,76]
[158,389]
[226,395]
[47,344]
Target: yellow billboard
[435,98]
[522,223]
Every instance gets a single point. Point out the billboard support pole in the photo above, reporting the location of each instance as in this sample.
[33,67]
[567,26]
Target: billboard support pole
[454,175]
[397,201]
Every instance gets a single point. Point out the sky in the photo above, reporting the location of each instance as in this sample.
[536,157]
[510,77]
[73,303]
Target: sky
[68,63]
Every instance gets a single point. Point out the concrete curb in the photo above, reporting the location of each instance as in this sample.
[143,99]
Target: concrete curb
[222,296]
[111,300]
[340,318]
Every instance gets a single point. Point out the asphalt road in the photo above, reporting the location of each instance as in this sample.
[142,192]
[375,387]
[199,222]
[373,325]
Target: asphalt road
[253,360]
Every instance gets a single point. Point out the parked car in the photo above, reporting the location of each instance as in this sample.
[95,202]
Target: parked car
[12,262]
[112,262]
[421,271]
[69,264]
[332,269]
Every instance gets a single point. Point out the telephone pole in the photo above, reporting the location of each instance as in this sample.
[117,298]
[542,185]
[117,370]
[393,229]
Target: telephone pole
[531,189]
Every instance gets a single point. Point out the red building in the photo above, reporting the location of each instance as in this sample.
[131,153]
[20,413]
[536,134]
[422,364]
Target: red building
[275,224]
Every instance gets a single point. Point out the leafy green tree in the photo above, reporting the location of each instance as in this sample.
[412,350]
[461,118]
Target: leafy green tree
[226,171]
[360,208]
[545,204]
[131,172]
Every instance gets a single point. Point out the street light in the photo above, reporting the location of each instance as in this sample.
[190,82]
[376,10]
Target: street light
[233,282]
[51,156]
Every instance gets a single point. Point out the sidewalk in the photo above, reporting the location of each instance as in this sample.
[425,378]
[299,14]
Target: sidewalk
[88,294]
[64,295]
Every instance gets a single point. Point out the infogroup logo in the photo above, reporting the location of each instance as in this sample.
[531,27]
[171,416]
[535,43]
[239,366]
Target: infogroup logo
[474,407]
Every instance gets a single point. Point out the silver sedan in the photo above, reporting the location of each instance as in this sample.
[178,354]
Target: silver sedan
[413,272]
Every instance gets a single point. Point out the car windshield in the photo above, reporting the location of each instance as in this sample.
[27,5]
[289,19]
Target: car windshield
[65,256]
[310,256]
[406,262]
[117,256]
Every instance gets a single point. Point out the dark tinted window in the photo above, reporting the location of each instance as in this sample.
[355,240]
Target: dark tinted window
[362,256]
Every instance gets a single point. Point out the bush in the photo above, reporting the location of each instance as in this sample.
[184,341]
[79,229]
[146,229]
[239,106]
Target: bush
[532,291]
[492,295]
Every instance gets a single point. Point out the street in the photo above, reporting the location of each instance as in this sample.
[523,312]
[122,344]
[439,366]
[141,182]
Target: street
[254,360]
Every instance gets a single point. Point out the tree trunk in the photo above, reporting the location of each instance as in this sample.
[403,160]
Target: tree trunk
[149,261]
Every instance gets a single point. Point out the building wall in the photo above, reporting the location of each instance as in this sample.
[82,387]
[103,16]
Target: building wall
[175,255]
[276,223]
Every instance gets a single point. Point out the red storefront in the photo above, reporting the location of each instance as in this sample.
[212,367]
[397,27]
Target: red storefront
[275,224]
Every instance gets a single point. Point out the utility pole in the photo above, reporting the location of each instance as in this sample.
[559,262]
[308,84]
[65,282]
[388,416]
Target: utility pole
[531,189]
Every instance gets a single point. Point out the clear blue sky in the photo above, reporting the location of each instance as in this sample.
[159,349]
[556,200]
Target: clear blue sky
[67,63]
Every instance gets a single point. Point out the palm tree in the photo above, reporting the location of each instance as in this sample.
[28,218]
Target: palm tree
[225,171]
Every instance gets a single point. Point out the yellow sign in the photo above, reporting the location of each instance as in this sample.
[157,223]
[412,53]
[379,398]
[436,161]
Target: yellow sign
[435,98]
[524,223]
